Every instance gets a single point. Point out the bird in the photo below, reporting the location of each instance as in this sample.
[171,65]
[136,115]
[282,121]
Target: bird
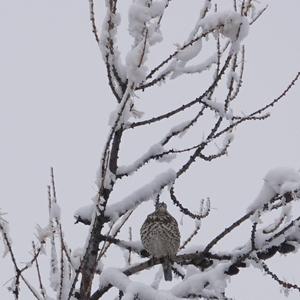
[160,236]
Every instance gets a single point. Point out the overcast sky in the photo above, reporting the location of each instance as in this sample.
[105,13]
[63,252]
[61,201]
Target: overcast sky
[55,105]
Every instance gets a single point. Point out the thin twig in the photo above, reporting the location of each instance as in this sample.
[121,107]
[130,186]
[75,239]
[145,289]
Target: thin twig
[284,284]
[38,272]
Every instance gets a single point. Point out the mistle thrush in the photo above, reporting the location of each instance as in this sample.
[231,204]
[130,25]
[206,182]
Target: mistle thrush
[161,237]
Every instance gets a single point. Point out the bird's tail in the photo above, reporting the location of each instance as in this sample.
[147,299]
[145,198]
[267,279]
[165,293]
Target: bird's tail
[167,268]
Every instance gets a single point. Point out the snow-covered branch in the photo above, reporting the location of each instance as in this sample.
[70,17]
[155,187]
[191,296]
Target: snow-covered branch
[145,193]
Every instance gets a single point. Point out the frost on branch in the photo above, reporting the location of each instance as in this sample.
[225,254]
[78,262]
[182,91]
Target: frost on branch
[43,233]
[4,228]
[55,211]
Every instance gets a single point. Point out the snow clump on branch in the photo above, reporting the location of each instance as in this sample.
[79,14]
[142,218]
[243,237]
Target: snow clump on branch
[113,211]
[131,288]
[140,14]
[145,34]
[153,151]
[232,25]
[143,194]
[210,284]
[278,181]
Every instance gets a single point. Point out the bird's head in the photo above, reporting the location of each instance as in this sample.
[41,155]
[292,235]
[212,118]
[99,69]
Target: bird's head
[161,208]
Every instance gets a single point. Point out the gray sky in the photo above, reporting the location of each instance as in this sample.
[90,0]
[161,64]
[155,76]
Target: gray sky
[55,105]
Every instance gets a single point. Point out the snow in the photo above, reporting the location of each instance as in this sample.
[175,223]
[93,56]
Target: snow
[232,76]
[55,280]
[198,68]
[126,114]
[131,288]
[137,114]
[76,257]
[190,51]
[13,287]
[167,158]
[142,194]
[112,117]
[219,108]
[121,115]
[109,179]
[43,232]
[228,139]
[55,211]
[175,129]
[157,8]
[197,283]
[192,249]
[231,24]
[153,150]
[283,179]
[109,33]
[262,235]
[205,8]
[191,270]
[289,234]
[136,71]
[54,271]
[157,279]
[136,246]
[277,181]
[140,13]
[85,212]
[66,281]
[145,34]
[114,277]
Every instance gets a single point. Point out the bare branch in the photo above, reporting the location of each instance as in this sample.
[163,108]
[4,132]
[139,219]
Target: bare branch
[93,21]
[42,288]
[259,14]
[284,284]
[191,236]
[281,96]
[185,210]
